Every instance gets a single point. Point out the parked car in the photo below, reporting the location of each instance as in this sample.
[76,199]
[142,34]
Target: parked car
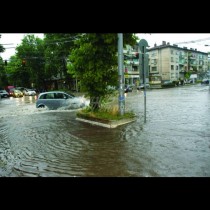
[16,93]
[190,81]
[20,88]
[205,82]
[60,99]
[4,94]
[26,91]
[9,89]
[168,84]
[128,88]
[29,92]
[142,86]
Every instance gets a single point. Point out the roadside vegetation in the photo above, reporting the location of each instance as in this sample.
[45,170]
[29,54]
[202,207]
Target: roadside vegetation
[89,58]
[104,113]
[109,110]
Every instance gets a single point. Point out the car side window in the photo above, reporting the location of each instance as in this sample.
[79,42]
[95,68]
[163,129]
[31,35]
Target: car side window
[42,96]
[50,96]
[65,96]
[59,96]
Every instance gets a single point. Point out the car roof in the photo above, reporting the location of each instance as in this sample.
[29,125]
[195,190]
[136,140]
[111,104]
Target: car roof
[54,91]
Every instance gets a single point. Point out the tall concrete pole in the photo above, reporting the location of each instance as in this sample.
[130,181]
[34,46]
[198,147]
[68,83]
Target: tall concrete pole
[121,75]
[143,67]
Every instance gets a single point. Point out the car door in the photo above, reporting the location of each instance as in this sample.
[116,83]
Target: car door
[50,101]
[60,100]
[70,101]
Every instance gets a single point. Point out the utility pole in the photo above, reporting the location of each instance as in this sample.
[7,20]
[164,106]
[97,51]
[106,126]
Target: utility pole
[209,78]
[143,68]
[121,75]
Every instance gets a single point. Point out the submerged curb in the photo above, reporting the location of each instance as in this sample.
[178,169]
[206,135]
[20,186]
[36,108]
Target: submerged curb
[107,123]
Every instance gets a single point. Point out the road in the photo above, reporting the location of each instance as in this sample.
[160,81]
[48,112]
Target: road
[174,141]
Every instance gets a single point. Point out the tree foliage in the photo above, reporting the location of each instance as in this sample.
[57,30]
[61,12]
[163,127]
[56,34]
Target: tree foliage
[2,68]
[94,62]
[3,77]
[2,49]
[15,74]
[57,49]
[32,51]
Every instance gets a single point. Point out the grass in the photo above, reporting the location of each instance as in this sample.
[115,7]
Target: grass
[109,110]
[105,114]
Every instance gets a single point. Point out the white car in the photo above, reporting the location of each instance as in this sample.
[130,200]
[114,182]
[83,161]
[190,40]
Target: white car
[142,86]
[29,92]
[4,94]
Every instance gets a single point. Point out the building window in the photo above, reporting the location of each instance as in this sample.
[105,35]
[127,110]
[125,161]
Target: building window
[172,67]
[154,68]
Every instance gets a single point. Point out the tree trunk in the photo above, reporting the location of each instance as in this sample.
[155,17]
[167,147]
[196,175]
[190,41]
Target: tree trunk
[95,103]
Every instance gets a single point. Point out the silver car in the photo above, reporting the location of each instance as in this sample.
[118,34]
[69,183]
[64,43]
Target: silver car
[59,99]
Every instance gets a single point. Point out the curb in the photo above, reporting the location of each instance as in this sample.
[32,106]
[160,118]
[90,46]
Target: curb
[109,124]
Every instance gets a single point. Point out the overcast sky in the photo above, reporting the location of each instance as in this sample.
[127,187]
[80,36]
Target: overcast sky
[190,40]
[10,42]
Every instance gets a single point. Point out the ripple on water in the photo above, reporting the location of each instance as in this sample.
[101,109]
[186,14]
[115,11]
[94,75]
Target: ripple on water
[174,141]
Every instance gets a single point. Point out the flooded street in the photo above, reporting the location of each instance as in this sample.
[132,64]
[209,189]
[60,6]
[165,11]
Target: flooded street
[174,141]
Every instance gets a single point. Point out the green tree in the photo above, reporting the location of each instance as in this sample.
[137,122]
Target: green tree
[16,75]
[2,68]
[2,49]
[3,77]
[57,50]
[31,50]
[94,62]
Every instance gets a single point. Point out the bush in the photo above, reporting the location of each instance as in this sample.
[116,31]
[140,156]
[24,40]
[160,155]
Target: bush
[105,113]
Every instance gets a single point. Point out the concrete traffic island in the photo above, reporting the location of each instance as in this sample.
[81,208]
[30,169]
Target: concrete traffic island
[105,122]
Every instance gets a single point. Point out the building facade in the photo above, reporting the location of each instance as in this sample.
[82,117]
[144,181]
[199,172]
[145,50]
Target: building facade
[131,66]
[166,63]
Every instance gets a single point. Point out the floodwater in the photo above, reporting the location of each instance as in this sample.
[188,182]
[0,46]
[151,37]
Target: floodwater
[174,141]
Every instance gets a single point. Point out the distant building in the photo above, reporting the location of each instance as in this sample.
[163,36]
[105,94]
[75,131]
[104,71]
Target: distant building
[131,65]
[166,63]
[170,62]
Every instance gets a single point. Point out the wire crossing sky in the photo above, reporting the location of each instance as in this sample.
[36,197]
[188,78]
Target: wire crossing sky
[199,41]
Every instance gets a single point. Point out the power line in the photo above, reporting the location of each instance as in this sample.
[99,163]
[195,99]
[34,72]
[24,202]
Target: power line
[55,41]
[7,44]
[9,47]
[194,41]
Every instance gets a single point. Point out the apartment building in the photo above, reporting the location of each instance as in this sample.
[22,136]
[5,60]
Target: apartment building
[166,63]
[131,65]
